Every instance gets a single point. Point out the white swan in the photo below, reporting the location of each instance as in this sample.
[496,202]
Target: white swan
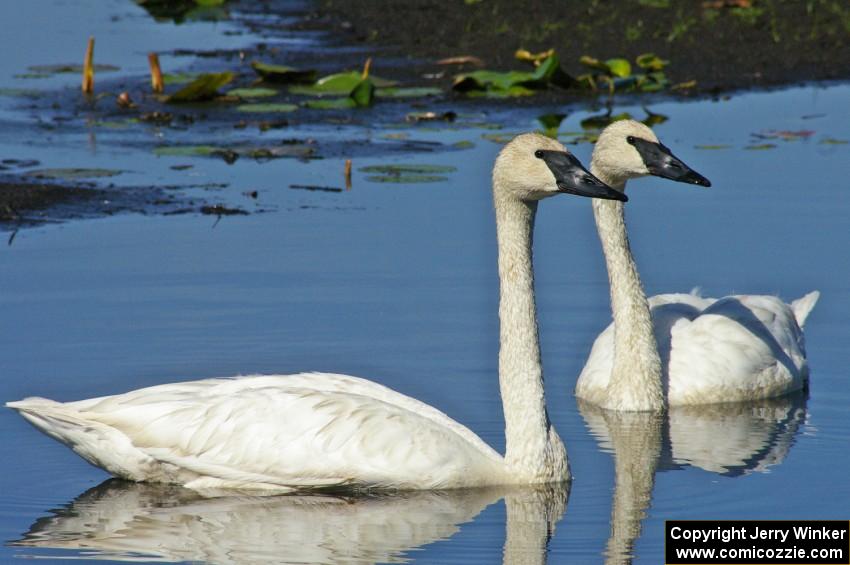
[320,430]
[678,349]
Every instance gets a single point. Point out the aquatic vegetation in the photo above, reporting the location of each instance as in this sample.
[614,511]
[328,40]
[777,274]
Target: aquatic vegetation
[252,92]
[407,173]
[616,74]
[204,87]
[514,83]
[283,74]
[72,173]
[266,108]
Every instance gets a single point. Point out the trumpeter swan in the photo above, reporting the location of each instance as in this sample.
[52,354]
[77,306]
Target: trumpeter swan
[678,349]
[321,430]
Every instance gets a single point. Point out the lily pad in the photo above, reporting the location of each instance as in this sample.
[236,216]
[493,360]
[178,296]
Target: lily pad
[833,141]
[551,123]
[266,108]
[185,150]
[331,104]
[760,147]
[179,78]
[72,173]
[283,74]
[651,62]
[406,178]
[71,69]
[512,83]
[252,92]
[502,138]
[619,67]
[713,147]
[408,92]
[205,87]
[600,121]
[339,84]
[408,169]
[363,93]
[20,92]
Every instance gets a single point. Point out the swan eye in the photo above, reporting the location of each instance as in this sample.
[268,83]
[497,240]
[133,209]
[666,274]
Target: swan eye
[631,140]
[539,153]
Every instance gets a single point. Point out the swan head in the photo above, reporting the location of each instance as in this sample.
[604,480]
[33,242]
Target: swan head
[532,167]
[628,149]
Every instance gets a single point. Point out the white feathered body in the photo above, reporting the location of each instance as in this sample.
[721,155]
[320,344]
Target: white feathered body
[731,349]
[285,432]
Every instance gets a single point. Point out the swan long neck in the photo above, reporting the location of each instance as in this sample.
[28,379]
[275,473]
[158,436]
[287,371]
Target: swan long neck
[534,452]
[636,376]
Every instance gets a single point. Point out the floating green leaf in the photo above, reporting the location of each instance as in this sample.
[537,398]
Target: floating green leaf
[185,150]
[406,178]
[338,84]
[512,83]
[330,104]
[266,108]
[363,93]
[713,147]
[179,78]
[72,173]
[283,74]
[464,144]
[651,62]
[551,123]
[600,121]
[72,69]
[420,168]
[833,141]
[760,146]
[619,67]
[20,92]
[205,87]
[252,92]
[498,137]
[408,92]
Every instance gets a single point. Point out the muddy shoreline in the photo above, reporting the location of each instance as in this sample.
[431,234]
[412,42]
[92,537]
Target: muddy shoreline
[722,45]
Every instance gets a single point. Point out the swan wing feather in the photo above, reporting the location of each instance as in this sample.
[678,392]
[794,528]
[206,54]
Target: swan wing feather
[275,431]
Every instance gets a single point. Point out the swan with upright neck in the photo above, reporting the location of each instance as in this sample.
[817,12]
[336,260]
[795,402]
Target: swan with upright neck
[679,349]
[313,430]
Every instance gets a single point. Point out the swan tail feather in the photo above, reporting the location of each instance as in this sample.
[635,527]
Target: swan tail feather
[803,306]
[98,443]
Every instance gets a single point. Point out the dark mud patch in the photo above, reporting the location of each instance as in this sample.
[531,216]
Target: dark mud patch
[26,204]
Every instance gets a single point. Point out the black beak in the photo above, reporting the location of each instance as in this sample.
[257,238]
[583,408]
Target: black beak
[573,178]
[662,163]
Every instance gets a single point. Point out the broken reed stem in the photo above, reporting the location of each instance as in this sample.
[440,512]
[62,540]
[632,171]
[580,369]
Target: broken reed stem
[366,67]
[348,174]
[88,68]
[157,84]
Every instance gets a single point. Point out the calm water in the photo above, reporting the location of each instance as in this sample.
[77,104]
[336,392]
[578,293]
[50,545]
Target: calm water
[398,283]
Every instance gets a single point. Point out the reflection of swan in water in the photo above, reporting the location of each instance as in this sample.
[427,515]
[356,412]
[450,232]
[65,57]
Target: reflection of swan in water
[125,521]
[729,439]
